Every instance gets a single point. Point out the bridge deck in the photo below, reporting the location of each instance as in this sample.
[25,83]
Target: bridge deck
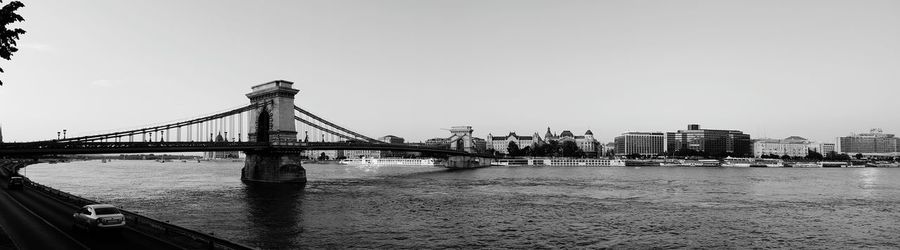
[51,148]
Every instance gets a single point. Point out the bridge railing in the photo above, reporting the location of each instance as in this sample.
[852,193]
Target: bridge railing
[161,228]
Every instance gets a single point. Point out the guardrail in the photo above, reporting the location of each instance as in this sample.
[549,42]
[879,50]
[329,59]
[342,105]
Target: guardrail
[161,228]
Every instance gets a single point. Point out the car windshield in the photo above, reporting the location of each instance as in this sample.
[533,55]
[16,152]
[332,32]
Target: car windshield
[106,210]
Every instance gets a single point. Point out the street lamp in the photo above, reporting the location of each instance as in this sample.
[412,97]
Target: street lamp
[57,135]
[64,134]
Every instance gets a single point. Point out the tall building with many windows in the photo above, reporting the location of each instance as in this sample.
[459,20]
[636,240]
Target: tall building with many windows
[710,141]
[825,148]
[874,142]
[642,143]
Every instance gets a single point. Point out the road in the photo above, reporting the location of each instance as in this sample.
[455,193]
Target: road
[36,221]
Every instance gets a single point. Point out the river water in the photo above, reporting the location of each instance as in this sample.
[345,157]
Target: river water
[505,207]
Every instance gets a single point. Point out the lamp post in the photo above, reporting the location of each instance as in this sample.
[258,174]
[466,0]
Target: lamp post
[64,134]
[57,135]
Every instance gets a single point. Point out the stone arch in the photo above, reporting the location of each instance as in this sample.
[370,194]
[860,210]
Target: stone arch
[263,123]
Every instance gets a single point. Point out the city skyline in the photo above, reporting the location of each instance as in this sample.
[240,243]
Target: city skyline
[772,70]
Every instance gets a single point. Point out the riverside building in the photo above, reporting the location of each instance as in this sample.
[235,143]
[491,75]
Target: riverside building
[392,139]
[642,143]
[587,143]
[222,154]
[711,141]
[793,146]
[501,143]
[874,142]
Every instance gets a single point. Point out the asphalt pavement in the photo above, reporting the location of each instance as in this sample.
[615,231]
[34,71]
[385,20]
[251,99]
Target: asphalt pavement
[33,220]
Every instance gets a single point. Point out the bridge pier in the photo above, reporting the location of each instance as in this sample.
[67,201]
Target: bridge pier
[273,167]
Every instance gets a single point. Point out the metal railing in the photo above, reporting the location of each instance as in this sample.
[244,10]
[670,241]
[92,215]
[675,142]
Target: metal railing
[160,228]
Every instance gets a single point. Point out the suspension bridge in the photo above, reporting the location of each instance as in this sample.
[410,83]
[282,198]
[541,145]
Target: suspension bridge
[265,130]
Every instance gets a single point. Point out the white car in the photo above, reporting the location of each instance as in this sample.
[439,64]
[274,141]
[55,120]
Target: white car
[99,216]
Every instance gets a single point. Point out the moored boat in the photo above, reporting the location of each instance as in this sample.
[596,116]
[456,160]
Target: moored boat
[391,161]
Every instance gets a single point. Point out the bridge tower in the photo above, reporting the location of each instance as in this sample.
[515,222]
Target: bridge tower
[273,121]
[461,139]
[275,111]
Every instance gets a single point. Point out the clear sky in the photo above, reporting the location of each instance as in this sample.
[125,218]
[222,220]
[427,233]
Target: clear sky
[817,69]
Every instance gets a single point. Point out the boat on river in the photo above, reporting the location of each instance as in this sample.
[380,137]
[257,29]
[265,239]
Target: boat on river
[391,161]
[561,162]
[752,163]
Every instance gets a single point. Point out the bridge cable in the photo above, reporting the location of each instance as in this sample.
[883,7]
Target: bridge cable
[307,113]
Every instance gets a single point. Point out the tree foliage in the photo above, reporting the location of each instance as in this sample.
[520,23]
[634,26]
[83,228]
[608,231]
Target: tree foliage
[9,36]
[569,149]
[513,149]
[834,156]
[813,155]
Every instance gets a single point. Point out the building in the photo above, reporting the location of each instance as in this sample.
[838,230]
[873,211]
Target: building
[438,142]
[609,149]
[714,142]
[222,154]
[793,146]
[501,143]
[480,144]
[587,143]
[825,148]
[392,139]
[874,142]
[642,143]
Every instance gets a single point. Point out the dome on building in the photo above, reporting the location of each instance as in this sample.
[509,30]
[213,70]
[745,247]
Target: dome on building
[795,138]
[589,132]
[219,138]
[566,133]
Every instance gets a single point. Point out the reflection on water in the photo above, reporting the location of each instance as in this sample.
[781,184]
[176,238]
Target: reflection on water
[507,207]
[868,178]
[274,213]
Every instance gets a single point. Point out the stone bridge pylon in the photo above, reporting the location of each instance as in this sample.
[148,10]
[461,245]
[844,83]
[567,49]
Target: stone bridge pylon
[273,121]
[461,139]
